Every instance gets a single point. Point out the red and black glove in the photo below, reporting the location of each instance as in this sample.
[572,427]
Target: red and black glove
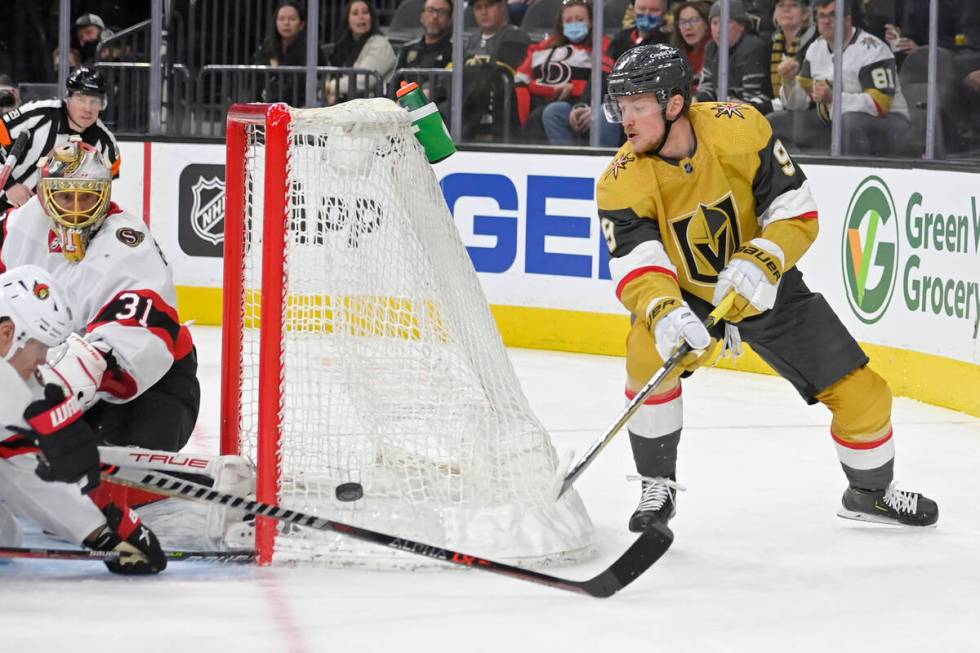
[68,447]
[139,549]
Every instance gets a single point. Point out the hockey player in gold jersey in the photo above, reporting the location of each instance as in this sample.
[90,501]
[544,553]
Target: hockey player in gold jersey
[703,201]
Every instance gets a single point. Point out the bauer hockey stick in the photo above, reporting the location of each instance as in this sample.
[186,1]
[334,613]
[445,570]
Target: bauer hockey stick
[641,396]
[646,550]
[14,156]
[112,556]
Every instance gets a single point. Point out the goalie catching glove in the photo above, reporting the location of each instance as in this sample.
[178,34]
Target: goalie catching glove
[753,273]
[67,444]
[139,549]
[672,322]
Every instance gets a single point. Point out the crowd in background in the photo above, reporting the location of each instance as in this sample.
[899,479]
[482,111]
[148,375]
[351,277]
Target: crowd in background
[528,63]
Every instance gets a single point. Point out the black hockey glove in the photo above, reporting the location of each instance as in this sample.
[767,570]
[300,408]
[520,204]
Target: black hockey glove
[124,532]
[68,448]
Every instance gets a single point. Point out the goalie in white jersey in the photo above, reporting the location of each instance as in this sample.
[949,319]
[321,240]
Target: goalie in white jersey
[45,446]
[135,369]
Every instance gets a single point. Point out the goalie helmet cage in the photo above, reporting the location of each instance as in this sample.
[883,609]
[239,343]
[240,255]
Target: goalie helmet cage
[358,347]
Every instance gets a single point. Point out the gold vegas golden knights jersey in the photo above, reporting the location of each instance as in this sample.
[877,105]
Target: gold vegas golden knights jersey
[673,225]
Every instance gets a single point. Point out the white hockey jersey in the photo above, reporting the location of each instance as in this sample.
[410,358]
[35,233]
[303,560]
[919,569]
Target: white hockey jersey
[122,293]
[870,78]
[57,508]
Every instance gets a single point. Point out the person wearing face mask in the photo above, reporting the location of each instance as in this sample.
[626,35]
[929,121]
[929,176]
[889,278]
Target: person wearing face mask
[555,78]
[651,26]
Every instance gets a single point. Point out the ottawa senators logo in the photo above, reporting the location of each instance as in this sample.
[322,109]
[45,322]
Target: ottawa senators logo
[130,237]
[707,238]
[41,290]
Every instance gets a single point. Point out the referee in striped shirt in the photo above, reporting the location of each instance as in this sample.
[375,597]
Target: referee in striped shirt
[50,123]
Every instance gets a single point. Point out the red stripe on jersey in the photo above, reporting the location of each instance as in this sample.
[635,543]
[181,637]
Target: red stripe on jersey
[139,306]
[809,215]
[17,445]
[639,272]
[113,209]
[663,398]
[862,445]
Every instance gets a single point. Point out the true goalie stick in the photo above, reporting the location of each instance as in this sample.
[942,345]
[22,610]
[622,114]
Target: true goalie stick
[14,156]
[646,550]
[637,401]
[80,554]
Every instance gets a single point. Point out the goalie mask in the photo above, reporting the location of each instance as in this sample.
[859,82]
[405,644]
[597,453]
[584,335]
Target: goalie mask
[74,191]
[36,306]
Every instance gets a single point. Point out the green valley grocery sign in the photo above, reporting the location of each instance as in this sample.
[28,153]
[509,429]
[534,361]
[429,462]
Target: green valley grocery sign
[870,250]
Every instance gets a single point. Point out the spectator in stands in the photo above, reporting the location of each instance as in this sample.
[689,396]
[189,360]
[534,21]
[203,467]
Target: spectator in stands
[875,116]
[90,31]
[691,35]
[913,30]
[491,55]
[748,61]
[794,33]
[496,40]
[651,26]
[360,44]
[285,45]
[9,94]
[516,10]
[553,83]
[434,49]
[761,17]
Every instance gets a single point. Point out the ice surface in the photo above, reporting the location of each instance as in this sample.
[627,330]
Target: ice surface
[760,562]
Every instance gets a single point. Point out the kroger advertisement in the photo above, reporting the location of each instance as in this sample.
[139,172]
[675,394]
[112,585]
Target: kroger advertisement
[898,254]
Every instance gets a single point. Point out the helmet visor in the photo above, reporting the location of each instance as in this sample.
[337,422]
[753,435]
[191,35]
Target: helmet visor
[611,109]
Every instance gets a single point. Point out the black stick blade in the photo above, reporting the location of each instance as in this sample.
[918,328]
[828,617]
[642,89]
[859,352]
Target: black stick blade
[646,550]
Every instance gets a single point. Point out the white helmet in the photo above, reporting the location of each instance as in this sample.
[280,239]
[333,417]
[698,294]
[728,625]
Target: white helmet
[37,307]
[74,191]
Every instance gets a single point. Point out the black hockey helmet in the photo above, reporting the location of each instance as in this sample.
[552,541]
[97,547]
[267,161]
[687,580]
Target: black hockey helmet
[86,80]
[658,68]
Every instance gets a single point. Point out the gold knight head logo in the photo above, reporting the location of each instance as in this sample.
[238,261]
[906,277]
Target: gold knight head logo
[707,238]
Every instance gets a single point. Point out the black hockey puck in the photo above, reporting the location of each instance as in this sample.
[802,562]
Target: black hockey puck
[349,491]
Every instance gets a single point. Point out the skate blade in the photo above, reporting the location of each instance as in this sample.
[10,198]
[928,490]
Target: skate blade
[875,519]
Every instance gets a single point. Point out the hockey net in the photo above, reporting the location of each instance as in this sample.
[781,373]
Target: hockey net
[359,348]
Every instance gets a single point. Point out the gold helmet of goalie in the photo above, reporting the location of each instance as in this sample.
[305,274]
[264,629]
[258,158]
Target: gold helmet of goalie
[74,191]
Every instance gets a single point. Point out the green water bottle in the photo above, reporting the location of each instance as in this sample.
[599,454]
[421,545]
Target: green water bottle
[427,122]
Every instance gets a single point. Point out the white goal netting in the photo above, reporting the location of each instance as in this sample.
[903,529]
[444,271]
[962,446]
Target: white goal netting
[393,373]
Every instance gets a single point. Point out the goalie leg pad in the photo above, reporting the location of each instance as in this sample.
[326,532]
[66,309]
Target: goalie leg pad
[181,524]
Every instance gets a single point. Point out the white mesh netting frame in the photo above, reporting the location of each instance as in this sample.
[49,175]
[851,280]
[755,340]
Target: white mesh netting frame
[394,374]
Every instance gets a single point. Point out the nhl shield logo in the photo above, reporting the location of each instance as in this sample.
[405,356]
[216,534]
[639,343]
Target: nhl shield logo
[208,209]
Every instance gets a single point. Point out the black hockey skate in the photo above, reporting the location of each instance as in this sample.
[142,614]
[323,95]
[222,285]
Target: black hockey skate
[889,506]
[657,502]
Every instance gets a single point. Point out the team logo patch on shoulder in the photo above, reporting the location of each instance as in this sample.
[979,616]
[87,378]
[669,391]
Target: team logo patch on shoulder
[729,109]
[41,290]
[130,237]
[619,163]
